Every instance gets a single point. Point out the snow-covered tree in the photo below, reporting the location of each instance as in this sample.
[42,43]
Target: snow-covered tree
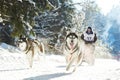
[21,13]
[50,24]
[112,29]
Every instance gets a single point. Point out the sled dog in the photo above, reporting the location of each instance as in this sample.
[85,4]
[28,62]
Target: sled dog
[72,50]
[30,47]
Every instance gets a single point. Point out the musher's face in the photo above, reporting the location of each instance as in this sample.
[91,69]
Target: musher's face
[89,30]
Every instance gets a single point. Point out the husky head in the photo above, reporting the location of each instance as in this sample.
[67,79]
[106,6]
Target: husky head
[71,40]
[21,45]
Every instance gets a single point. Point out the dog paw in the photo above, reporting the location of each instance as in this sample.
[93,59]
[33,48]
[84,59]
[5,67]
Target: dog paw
[30,66]
[67,69]
[74,70]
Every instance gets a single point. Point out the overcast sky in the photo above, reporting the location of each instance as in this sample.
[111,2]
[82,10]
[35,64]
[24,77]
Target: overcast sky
[105,5]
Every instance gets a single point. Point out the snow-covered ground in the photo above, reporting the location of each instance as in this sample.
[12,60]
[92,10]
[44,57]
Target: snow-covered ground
[14,66]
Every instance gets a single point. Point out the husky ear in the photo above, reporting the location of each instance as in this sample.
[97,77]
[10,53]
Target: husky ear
[67,32]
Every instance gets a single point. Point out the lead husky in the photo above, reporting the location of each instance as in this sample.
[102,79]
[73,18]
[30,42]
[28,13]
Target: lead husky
[72,50]
[30,47]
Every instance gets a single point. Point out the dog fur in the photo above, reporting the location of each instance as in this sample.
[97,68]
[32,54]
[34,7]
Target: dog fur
[30,47]
[72,50]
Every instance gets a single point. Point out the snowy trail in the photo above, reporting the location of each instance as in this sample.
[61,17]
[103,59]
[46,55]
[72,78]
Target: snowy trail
[53,68]
[14,66]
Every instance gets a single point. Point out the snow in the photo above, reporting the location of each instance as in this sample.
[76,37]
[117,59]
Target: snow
[1,20]
[14,66]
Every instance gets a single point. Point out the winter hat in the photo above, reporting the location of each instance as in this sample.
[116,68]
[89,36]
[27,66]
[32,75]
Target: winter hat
[89,28]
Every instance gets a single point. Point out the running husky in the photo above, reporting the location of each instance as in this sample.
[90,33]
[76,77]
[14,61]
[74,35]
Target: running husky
[72,50]
[30,47]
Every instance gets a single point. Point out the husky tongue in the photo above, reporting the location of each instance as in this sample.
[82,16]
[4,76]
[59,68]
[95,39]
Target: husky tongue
[71,46]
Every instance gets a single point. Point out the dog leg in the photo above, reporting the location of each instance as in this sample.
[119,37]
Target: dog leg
[30,57]
[69,64]
[79,62]
[41,51]
[29,54]
[68,58]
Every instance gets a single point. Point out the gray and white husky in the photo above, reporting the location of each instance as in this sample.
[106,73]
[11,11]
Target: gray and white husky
[72,50]
[30,47]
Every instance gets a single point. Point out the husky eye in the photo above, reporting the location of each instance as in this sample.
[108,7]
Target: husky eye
[70,36]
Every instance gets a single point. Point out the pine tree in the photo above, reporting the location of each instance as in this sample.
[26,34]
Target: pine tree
[50,23]
[20,14]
